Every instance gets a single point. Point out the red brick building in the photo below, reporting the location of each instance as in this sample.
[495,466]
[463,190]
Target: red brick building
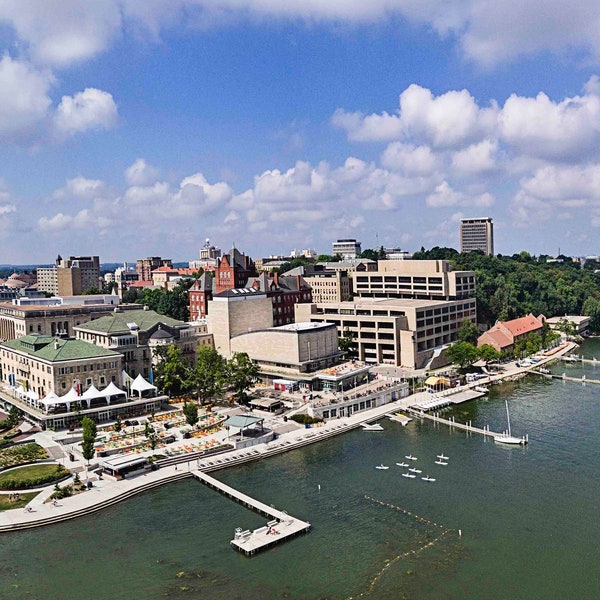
[502,335]
[285,292]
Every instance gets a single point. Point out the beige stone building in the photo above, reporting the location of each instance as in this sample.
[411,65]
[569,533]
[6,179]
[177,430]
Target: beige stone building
[422,279]
[42,364]
[134,333]
[71,276]
[404,332]
[296,347]
[235,312]
[47,319]
[326,285]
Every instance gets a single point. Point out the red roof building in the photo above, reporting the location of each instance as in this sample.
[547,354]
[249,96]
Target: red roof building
[502,335]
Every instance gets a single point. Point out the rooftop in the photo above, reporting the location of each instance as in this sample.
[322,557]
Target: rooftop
[45,347]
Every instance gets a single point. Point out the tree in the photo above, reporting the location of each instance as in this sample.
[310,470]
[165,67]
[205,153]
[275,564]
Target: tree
[151,436]
[462,353]
[118,424]
[488,353]
[89,437]
[346,342]
[172,372]
[14,414]
[190,411]
[242,373]
[209,374]
[468,331]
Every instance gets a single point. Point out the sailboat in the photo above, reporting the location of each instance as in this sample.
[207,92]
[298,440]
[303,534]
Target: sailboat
[506,437]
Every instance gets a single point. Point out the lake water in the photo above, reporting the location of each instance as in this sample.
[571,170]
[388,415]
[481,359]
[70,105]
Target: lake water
[528,517]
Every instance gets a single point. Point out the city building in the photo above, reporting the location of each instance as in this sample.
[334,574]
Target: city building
[503,334]
[53,316]
[284,291]
[70,277]
[132,333]
[200,293]
[477,234]
[233,270]
[209,257]
[423,279]
[326,285]
[410,333]
[352,265]
[43,364]
[346,248]
[145,266]
[236,311]
[290,349]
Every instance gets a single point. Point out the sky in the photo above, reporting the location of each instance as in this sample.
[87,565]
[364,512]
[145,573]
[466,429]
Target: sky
[132,129]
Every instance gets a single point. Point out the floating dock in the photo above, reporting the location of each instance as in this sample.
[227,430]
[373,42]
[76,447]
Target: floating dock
[486,432]
[280,528]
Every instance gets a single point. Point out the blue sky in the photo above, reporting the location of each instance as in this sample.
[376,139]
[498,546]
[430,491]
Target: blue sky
[131,129]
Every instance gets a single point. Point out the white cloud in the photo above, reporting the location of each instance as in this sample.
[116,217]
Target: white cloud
[24,100]
[141,173]
[552,130]
[451,120]
[551,189]
[410,160]
[368,128]
[60,33]
[80,188]
[90,109]
[444,196]
[477,158]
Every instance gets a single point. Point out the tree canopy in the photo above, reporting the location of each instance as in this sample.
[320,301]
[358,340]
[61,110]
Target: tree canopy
[512,286]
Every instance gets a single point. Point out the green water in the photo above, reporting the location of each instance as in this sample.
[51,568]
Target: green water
[528,517]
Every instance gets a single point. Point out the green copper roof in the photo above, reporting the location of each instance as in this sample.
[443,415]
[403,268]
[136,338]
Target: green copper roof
[118,322]
[47,348]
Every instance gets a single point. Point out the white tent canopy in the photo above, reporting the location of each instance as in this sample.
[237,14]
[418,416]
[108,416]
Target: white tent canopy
[140,385]
[112,390]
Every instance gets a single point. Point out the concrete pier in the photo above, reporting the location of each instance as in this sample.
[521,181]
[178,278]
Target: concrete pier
[281,526]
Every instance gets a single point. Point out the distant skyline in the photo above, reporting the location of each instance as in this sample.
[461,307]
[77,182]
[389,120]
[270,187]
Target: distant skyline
[130,129]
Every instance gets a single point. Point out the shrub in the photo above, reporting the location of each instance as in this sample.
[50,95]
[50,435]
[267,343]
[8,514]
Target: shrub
[304,419]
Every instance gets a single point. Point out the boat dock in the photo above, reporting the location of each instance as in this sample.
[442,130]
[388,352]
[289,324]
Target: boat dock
[447,398]
[281,526]
[486,432]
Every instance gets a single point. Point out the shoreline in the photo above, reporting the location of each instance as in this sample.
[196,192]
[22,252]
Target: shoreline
[107,492]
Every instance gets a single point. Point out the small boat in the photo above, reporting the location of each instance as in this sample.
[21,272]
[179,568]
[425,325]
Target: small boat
[481,389]
[413,470]
[441,462]
[403,420]
[409,475]
[410,457]
[371,427]
[382,467]
[506,437]
[442,457]
[427,478]
[402,464]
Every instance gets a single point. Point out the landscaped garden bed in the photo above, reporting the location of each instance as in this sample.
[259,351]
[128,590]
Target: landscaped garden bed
[21,454]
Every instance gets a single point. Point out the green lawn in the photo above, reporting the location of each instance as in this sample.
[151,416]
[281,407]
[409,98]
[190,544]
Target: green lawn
[24,499]
[31,476]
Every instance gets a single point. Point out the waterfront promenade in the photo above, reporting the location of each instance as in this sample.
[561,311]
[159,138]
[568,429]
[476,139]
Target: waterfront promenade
[106,492]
